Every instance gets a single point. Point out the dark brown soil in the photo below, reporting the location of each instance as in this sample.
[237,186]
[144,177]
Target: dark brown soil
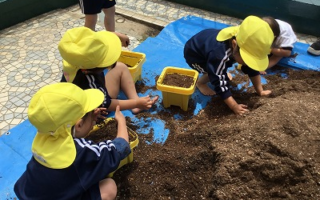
[178,80]
[273,152]
[107,130]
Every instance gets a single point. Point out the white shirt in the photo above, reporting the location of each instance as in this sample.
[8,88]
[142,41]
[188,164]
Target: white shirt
[287,36]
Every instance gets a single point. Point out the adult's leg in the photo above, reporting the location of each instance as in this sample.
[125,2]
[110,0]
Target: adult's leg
[108,189]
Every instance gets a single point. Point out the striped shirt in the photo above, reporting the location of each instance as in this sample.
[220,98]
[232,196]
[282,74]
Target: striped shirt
[213,57]
[92,164]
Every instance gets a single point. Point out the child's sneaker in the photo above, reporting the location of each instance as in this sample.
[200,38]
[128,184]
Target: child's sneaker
[315,48]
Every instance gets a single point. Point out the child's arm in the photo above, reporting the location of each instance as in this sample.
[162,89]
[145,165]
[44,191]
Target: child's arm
[96,161]
[125,41]
[235,107]
[122,126]
[256,82]
[281,52]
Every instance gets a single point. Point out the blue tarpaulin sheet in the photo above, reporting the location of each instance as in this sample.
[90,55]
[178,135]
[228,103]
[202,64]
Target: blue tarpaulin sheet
[164,50]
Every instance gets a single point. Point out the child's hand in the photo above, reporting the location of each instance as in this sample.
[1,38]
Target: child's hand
[99,113]
[125,41]
[240,109]
[119,116]
[146,102]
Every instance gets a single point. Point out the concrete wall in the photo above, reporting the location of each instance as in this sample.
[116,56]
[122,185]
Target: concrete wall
[303,15]
[15,11]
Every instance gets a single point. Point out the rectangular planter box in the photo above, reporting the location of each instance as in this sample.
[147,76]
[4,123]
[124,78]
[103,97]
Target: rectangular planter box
[177,96]
[135,61]
[133,143]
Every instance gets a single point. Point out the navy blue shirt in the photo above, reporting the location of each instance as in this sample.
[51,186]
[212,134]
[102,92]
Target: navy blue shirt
[92,81]
[213,57]
[80,180]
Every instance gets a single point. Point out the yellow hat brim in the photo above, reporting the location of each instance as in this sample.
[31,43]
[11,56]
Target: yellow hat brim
[258,64]
[114,44]
[227,33]
[55,152]
[69,71]
[94,99]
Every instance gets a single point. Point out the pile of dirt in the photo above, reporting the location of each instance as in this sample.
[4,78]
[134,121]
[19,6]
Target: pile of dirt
[272,152]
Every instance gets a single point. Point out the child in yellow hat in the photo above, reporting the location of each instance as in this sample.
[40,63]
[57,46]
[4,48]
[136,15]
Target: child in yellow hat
[212,52]
[65,165]
[86,54]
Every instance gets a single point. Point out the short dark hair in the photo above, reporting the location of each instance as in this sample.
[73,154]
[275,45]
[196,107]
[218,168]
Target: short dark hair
[273,25]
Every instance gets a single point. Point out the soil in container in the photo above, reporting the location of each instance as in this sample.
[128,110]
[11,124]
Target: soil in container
[178,80]
[108,131]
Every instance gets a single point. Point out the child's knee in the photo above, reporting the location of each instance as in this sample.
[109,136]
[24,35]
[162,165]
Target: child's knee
[108,189]
[121,66]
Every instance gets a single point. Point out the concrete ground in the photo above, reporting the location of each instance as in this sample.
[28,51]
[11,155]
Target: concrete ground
[29,57]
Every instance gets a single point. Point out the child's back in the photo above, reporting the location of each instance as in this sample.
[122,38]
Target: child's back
[64,165]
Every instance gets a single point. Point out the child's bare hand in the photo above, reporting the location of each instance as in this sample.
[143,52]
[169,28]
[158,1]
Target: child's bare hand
[240,109]
[125,41]
[146,102]
[118,115]
[99,113]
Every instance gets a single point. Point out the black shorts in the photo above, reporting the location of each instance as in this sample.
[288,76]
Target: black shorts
[90,7]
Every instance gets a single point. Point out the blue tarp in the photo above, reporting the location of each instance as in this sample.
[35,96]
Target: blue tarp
[164,50]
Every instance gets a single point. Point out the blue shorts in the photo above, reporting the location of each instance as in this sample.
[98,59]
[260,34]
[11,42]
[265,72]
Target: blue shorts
[91,7]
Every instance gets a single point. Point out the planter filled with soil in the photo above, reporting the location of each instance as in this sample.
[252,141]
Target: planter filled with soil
[134,61]
[177,85]
[107,130]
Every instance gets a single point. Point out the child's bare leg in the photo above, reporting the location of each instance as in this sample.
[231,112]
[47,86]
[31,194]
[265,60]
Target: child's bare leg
[108,189]
[119,78]
[203,87]
[256,82]
[90,21]
[109,21]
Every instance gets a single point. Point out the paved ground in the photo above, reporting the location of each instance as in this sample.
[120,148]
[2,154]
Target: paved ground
[29,58]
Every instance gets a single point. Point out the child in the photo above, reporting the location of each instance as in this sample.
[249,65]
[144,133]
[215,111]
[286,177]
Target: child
[212,52]
[283,42]
[65,165]
[92,8]
[86,54]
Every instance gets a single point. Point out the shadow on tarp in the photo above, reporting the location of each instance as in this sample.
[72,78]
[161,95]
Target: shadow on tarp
[164,50]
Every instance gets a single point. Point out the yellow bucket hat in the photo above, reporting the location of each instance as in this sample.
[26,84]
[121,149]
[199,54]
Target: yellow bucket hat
[82,48]
[53,110]
[254,37]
